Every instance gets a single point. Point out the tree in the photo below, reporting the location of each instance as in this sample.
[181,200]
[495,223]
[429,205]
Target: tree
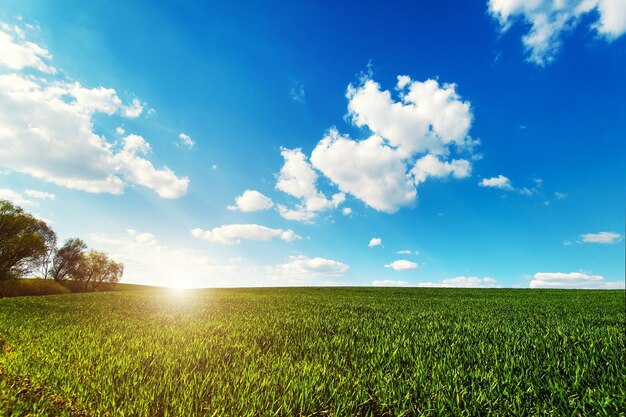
[24,240]
[98,269]
[66,262]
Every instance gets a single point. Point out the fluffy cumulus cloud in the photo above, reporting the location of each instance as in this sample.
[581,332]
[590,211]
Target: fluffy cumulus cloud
[431,166]
[389,283]
[550,21]
[47,128]
[302,268]
[411,138]
[251,200]
[601,237]
[572,280]
[232,234]
[375,241]
[298,179]
[463,282]
[369,170]
[402,265]
[148,261]
[428,117]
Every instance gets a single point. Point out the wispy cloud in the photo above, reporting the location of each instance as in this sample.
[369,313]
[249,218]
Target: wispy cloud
[297,93]
[463,282]
[40,195]
[601,237]
[185,140]
[390,283]
[15,198]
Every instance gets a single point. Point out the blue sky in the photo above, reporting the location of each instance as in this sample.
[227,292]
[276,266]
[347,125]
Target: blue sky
[240,144]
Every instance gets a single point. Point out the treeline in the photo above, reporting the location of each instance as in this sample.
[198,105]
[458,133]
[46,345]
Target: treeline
[28,248]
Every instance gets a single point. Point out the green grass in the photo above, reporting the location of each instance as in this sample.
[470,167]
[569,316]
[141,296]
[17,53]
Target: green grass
[314,351]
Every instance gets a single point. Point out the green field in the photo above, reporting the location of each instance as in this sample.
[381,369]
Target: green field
[314,351]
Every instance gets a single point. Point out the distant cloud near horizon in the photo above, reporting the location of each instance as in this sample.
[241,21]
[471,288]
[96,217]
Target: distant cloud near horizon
[572,280]
[390,283]
[463,282]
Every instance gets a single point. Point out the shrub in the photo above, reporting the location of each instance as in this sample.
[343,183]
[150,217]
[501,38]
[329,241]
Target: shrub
[22,287]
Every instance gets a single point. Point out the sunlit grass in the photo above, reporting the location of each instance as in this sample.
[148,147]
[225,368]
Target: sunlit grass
[289,352]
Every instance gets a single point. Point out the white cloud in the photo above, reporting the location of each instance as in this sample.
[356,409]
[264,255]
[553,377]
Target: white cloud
[346,211]
[463,282]
[15,198]
[47,131]
[368,169]
[251,200]
[300,214]
[431,166]
[136,144]
[560,196]
[133,110]
[407,252]
[375,241]
[390,283]
[298,179]
[232,234]
[402,265]
[601,237]
[185,140]
[500,182]
[141,171]
[572,280]
[302,268]
[41,195]
[427,119]
[149,262]
[551,20]
[17,53]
